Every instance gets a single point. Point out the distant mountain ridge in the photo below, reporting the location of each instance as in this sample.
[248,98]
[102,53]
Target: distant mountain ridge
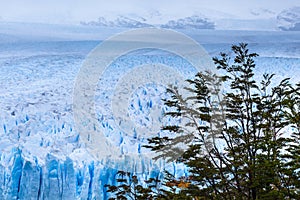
[121,21]
[289,19]
[194,22]
[260,19]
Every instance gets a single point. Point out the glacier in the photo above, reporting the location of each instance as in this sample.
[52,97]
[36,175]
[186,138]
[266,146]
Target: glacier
[41,156]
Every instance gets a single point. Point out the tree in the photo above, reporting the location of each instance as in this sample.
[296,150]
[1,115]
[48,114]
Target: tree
[130,187]
[240,139]
[239,145]
[291,175]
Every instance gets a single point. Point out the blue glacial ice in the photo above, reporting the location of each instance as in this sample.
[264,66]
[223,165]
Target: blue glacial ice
[41,156]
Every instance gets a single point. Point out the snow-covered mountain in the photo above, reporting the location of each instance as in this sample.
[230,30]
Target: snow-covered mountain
[193,22]
[254,19]
[289,19]
[262,13]
[121,21]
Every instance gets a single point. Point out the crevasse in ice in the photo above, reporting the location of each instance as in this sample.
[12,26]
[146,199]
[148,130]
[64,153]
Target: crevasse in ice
[41,153]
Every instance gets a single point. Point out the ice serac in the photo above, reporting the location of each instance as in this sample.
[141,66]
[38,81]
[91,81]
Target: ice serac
[63,178]
[16,174]
[55,180]
[31,181]
[59,179]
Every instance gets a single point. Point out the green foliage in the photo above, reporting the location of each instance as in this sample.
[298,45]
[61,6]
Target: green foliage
[240,145]
[128,187]
[241,138]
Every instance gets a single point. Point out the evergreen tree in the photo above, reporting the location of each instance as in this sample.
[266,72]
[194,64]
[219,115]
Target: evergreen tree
[240,139]
[129,187]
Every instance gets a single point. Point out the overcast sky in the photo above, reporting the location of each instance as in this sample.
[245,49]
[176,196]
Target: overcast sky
[74,11]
